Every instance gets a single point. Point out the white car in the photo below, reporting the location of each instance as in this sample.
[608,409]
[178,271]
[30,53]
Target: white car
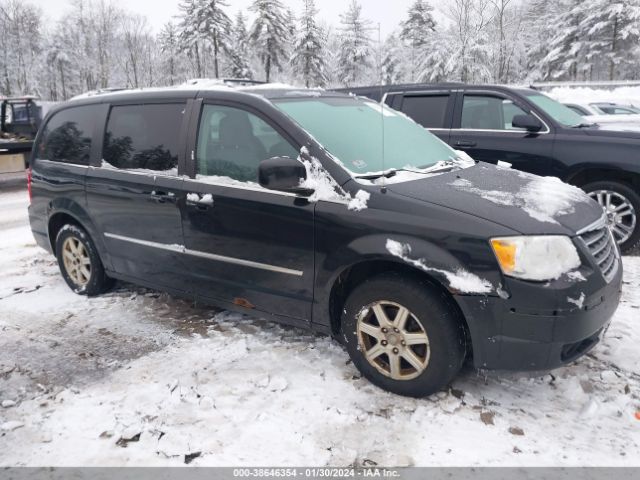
[608,115]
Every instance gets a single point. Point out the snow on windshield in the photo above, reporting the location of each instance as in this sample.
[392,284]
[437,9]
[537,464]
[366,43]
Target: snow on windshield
[461,280]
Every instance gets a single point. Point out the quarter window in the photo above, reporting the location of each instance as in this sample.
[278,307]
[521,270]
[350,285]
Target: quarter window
[429,110]
[144,137]
[67,136]
[233,142]
[489,113]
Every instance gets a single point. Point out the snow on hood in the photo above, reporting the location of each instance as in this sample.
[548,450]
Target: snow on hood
[460,280]
[525,203]
[542,198]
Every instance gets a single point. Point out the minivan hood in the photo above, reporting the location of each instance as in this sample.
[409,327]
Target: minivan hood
[529,204]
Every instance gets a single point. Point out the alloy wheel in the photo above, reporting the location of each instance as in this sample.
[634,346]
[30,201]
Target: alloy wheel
[393,340]
[76,261]
[621,216]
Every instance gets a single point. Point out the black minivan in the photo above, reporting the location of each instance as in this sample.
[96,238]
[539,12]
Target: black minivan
[330,212]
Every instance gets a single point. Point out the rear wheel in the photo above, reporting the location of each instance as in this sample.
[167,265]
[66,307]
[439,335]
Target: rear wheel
[403,335]
[621,205]
[79,262]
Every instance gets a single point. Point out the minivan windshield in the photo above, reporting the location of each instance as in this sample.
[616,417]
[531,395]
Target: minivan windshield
[559,112]
[366,137]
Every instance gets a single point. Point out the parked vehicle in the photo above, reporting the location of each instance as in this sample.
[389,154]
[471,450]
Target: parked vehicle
[535,134]
[325,211]
[602,108]
[20,118]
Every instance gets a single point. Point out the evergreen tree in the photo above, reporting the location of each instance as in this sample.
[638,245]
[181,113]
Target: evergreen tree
[309,49]
[269,34]
[354,58]
[239,57]
[565,59]
[393,60]
[169,46]
[416,29]
[613,27]
[204,28]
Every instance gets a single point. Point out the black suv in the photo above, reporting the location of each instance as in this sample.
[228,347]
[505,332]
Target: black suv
[326,211]
[535,134]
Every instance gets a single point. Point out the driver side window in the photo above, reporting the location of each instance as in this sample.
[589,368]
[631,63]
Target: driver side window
[481,112]
[232,143]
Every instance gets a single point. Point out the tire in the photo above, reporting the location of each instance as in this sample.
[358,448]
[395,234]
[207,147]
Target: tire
[74,248]
[630,223]
[431,314]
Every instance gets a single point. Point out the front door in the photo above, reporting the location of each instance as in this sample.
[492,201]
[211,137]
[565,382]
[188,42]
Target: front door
[246,245]
[133,193]
[483,129]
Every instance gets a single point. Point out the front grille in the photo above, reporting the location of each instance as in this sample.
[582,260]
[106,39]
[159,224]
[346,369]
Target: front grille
[604,250]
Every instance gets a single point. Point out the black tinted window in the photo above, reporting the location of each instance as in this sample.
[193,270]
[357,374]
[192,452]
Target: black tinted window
[144,137]
[67,136]
[233,142]
[429,111]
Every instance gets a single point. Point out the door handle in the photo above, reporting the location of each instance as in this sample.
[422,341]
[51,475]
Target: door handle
[163,197]
[465,144]
[201,202]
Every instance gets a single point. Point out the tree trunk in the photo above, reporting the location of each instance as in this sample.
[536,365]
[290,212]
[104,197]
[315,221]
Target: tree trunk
[215,54]
[614,46]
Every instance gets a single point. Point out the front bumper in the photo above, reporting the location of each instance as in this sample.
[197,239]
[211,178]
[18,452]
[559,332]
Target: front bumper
[539,327]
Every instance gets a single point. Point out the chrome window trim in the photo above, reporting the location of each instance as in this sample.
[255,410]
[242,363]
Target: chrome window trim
[189,181]
[209,256]
[64,164]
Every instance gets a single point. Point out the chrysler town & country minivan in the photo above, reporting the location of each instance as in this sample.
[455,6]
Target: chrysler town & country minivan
[329,212]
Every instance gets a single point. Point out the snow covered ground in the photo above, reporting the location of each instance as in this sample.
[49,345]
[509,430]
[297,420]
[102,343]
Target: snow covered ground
[137,377]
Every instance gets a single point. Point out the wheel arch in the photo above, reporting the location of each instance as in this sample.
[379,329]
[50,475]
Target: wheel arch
[589,174]
[71,213]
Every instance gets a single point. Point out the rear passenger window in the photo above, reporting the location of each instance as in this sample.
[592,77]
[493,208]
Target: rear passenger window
[233,142]
[67,136]
[144,137]
[429,110]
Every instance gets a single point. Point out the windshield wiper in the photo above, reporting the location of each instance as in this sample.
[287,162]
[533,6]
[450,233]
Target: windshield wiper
[372,176]
[584,125]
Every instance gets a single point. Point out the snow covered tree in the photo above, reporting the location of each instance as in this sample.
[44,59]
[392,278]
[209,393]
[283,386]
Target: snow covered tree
[416,29]
[566,46]
[204,28]
[239,66]
[269,34]
[393,60]
[169,43]
[308,49]
[468,36]
[355,51]
[613,27]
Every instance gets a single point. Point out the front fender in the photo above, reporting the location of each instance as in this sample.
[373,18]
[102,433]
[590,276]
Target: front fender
[425,257]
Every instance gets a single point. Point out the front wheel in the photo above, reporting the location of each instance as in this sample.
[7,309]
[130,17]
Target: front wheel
[403,335]
[621,205]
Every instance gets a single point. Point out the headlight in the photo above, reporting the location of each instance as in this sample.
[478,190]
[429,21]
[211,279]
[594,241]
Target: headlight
[536,258]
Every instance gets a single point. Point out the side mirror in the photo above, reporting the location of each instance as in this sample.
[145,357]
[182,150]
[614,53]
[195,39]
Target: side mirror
[528,122]
[283,174]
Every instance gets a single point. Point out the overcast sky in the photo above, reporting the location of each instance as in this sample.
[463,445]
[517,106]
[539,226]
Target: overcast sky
[386,12]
